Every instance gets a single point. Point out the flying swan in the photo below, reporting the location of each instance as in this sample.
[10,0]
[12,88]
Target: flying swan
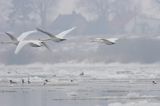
[33,43]
[107,41]
[59,37]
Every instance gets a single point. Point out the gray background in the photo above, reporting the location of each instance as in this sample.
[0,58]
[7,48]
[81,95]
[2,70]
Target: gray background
[93,18]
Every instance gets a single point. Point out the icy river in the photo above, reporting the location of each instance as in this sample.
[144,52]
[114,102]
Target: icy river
[80,85]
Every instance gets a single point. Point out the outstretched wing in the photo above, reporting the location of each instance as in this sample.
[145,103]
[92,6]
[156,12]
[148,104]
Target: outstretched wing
[25,34]
[45,32]
[107,42]
[62,34]
[113,39]
[21,45]
[11,36]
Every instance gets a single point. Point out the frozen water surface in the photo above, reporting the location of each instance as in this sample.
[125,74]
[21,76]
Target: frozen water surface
[80,85]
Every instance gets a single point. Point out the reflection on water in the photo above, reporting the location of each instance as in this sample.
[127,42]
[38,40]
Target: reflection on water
[82,91]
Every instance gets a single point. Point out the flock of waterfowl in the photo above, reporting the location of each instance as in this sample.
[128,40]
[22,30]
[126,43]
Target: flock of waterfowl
[43,81]
[20,42]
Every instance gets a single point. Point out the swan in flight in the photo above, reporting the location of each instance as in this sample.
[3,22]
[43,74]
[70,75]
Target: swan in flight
[59,37]
[109,41]
[33,43]
[15,40]
[20,42]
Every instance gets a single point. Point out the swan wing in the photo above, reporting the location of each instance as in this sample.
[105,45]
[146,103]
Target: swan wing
[21,45]
[25,34]
[107,42]
[64,33]
[45,32]
[112,39]
[11,36]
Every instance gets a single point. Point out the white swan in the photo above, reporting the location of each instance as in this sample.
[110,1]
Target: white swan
[33,43]
[20,42]
[109,41]
[59,37]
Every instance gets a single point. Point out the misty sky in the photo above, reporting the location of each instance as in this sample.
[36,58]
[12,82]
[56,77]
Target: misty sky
[93,18]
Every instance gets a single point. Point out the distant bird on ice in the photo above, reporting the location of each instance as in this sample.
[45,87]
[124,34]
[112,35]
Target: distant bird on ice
[45,82]
[81,74]
[29,81]
[154,82]
[59,37]
[23,81]
[107,41]
[12,82]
